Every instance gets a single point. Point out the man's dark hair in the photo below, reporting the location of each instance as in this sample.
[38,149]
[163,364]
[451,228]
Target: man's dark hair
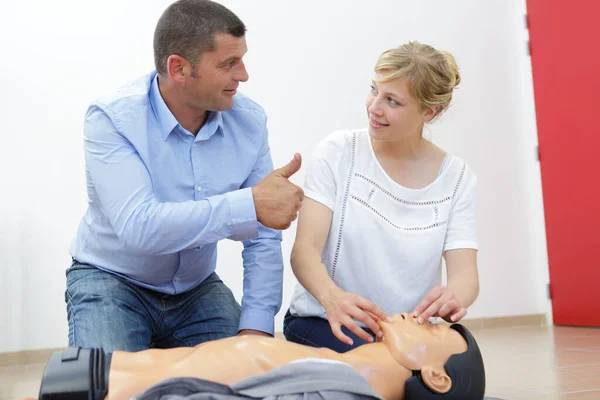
[188,28]
[465,369]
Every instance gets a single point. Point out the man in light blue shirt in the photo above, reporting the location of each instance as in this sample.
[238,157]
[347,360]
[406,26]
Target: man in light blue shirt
[175,162]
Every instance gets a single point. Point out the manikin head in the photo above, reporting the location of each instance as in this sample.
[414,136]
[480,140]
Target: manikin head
[446,361]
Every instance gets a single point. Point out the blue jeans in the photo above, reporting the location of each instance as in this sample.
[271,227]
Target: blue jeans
[107,311]
[316,332]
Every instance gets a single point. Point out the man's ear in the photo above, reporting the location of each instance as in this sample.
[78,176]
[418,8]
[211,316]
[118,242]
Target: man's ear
[177,68]
[436,378]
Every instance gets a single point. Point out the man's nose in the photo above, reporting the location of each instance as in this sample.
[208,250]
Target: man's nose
[241,74]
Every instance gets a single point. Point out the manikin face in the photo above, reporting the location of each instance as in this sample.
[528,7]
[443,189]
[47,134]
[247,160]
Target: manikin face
[414,345]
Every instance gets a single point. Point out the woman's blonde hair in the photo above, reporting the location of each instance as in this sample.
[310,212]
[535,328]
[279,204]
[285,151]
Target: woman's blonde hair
[431,74]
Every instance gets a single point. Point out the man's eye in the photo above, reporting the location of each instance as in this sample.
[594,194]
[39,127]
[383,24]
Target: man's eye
[229,65]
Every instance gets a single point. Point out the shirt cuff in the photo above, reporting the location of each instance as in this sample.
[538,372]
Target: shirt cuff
[467,244]
[258,320]
[243,221]
[318,197]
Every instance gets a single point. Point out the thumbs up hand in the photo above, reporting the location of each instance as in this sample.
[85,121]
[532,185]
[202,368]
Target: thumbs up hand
[276,199]
[290,169]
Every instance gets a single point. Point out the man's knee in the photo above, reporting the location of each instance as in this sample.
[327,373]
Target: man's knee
[90,330]
[104,313]
[109,337]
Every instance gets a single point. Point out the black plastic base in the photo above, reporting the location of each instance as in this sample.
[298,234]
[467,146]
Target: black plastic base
[76,374]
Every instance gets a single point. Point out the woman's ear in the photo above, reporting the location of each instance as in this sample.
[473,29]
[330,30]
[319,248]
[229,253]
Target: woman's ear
[436,378]
[430,113]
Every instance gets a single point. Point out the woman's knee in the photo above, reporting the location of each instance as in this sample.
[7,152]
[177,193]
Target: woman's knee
[316,332]
[305,330]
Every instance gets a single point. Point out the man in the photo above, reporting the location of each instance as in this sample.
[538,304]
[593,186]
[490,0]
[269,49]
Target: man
[176,161]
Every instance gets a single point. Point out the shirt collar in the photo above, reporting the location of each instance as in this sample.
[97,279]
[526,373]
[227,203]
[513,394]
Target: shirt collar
[167,122]
[213,124]
[164,116]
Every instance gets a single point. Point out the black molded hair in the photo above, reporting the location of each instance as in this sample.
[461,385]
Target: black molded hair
[466,370]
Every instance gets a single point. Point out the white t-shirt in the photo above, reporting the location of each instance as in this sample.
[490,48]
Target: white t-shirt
[386,241]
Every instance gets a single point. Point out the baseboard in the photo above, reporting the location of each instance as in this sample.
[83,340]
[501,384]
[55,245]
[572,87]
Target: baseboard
[26,357]
[538,320]
[279,335]
[42,356]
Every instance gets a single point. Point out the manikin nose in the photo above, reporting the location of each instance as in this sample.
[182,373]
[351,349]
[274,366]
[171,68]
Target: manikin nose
[408,317]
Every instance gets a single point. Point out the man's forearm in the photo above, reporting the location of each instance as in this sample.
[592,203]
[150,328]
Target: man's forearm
[165,228]
[263,281]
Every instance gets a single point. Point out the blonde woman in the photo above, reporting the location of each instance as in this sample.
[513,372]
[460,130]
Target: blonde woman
[382,206]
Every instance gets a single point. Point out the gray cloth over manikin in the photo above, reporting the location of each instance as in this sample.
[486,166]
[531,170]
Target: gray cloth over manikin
[309,379]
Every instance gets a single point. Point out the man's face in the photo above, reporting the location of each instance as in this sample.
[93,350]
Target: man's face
[414,345]
[217,75]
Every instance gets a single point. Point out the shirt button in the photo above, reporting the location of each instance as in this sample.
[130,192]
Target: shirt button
[198,188]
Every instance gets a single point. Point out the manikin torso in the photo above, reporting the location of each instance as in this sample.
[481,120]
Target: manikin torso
[386,365]
[232,360]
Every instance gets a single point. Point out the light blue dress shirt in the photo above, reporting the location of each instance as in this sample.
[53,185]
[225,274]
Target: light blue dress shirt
[160,199]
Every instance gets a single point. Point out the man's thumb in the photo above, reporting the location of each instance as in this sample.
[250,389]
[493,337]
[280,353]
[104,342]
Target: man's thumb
[291,168]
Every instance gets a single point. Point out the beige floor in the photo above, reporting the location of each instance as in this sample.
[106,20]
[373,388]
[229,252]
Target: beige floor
[521,363]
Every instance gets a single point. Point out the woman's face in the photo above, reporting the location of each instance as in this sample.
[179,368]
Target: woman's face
[394,114]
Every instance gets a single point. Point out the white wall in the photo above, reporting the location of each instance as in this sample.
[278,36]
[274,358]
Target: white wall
[310,63]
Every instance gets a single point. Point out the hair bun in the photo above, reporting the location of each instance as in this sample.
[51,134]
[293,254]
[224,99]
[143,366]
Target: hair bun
[452,71]
[457,79]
